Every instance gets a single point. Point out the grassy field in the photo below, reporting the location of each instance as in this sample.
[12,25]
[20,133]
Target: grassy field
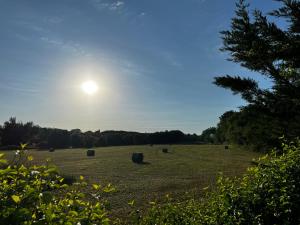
[186,169]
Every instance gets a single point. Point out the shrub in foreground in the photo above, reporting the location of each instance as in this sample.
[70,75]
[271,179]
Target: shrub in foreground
[38,195]
[268,193]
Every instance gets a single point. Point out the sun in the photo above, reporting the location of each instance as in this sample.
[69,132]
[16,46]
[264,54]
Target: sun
[89,87]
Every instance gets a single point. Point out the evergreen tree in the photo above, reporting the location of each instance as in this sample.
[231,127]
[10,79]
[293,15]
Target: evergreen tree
[262,46]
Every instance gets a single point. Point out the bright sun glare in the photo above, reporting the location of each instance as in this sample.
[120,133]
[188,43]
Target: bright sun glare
[89,87]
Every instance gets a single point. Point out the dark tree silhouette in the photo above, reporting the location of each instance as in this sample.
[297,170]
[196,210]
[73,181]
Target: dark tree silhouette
[13,133]
[262,46]
[209,135]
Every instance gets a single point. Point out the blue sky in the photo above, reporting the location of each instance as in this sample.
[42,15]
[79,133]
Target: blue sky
[154,62]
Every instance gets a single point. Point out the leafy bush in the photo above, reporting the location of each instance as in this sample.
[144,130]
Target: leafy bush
[170,213]
[268,193]
[38,195]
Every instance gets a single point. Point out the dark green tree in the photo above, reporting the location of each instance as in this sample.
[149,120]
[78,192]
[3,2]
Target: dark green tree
[209,135]
[260,45]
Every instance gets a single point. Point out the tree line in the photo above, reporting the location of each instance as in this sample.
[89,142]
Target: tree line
[13,132]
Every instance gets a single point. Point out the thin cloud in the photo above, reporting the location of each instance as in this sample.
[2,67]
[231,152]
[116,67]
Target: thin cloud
[116,5]
[52,41]
[54,20]
[113,6]
[70,46]
[17,88]
[142,14]
[32,26]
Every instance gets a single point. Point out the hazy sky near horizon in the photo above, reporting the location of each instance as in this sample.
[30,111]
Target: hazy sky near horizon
[154,62]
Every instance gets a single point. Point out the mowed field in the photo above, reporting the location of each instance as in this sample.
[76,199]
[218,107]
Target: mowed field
[183,172]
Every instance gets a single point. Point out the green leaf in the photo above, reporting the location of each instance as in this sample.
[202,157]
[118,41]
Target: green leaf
[3,161]
[23,146]
[131,203]
[105,221]
[64,186]
[109,188]
[96,186]
[51,170]
[16,198]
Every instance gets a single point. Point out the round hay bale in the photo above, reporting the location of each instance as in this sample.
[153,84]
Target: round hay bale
[90,152]
[51,150]
[137,157]
[165,150]
[226,147]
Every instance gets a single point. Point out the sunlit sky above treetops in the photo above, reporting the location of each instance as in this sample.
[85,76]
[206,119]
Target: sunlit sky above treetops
[153,61]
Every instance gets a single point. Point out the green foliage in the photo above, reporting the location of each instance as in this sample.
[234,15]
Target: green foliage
[250,128]
[267,194]
[260,45]
[38,195]
[181,213]
[209,135]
